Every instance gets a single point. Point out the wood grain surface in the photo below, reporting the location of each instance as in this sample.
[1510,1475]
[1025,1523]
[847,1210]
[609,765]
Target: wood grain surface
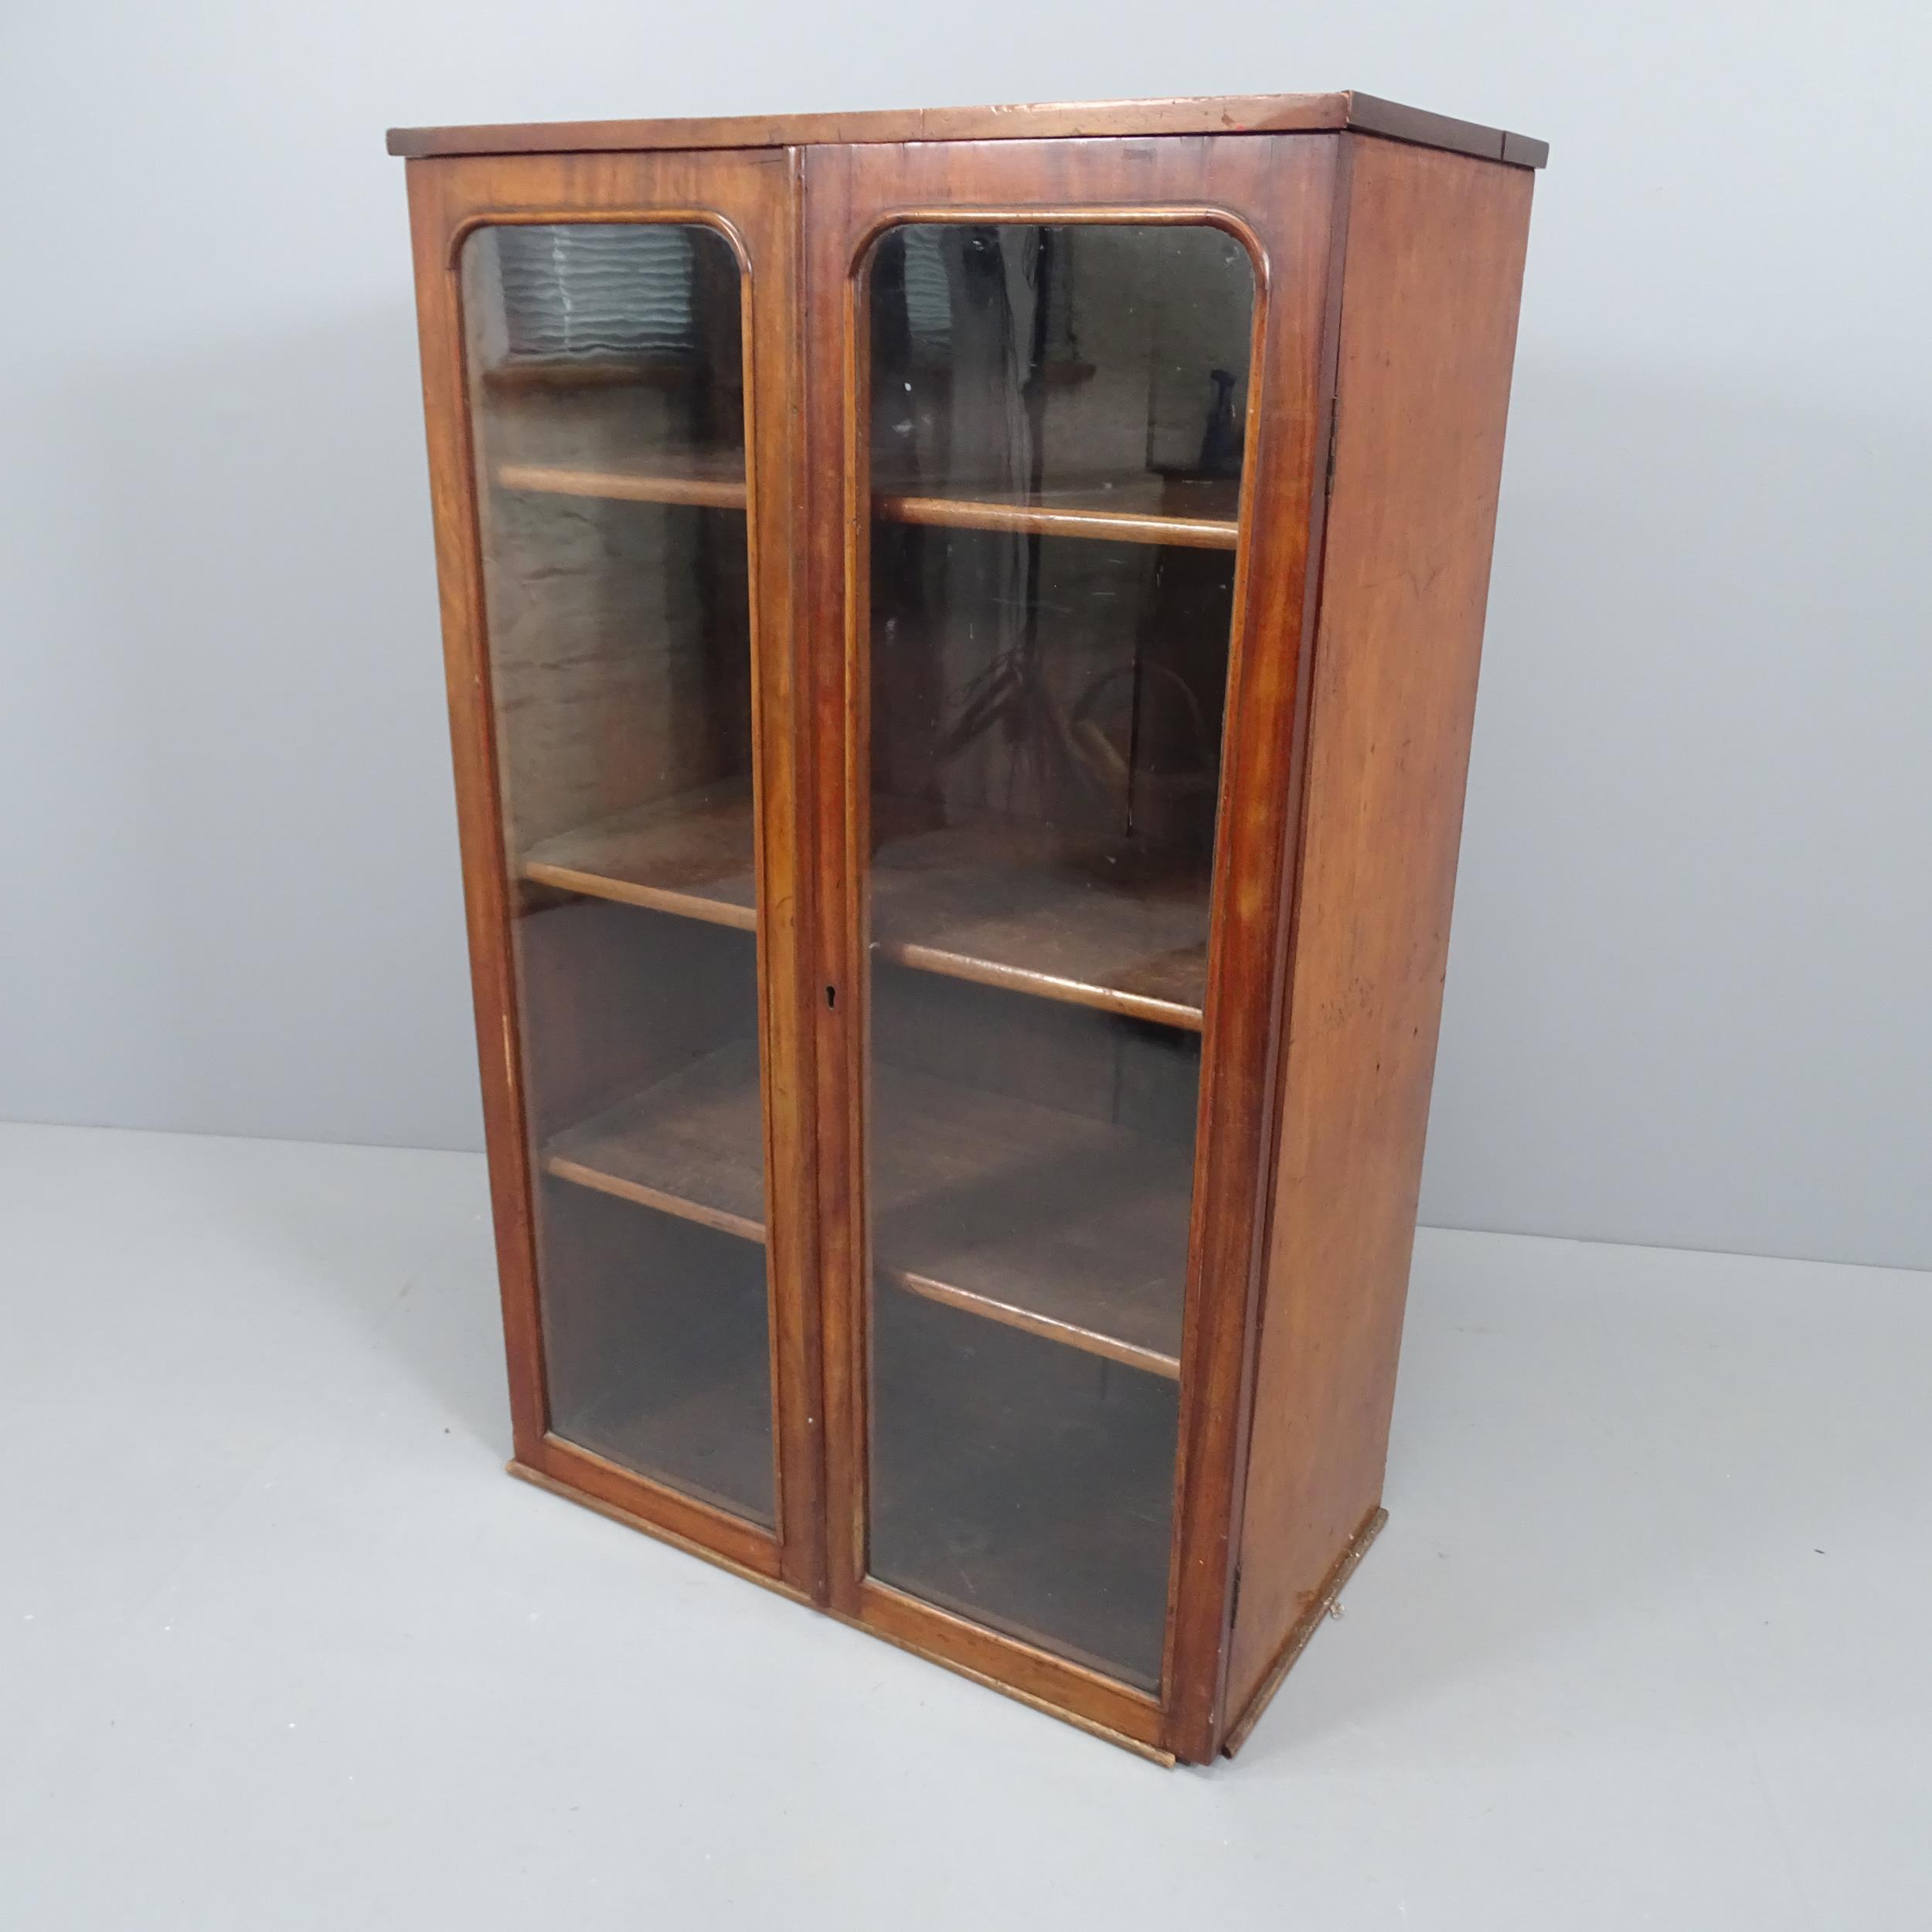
[1406,569]
[1201,114]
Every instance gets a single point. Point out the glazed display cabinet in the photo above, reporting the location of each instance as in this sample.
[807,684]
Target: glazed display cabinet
[961,631]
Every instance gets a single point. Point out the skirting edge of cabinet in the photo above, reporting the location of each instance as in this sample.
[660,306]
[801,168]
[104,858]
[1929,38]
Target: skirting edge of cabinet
[1310,1621]
[524,1473]
[1152,1753]
[537,1479]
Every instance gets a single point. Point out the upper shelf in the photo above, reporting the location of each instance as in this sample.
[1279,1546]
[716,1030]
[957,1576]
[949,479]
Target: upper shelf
[576,433]
[712,479]
[1134,509]
[1083,918]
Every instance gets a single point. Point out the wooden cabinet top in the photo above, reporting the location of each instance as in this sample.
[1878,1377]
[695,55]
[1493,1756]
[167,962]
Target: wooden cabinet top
[1198,114]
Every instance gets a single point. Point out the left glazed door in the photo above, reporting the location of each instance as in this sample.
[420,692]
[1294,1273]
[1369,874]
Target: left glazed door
[606,376]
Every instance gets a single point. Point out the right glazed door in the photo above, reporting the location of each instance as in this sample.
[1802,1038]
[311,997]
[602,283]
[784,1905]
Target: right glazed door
[1055,422]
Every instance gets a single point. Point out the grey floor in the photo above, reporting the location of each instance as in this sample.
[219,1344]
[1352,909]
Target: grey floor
[281,1647]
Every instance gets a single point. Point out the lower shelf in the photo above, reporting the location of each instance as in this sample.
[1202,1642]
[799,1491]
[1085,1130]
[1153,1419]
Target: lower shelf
[1088,918]
[690,1145]
[1044,1220]
[656,1349]
[1022,1486]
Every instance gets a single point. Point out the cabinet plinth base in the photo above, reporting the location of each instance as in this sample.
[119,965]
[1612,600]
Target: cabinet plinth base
[537,1477]
[1310,1622]
[1152,1753]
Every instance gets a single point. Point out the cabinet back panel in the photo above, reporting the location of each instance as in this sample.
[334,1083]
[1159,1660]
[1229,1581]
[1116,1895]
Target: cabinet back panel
[617,682]
[606,358]
[615,998]
[1130,1072]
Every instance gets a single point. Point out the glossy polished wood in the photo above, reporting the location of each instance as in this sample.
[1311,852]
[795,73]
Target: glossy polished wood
[1200,114]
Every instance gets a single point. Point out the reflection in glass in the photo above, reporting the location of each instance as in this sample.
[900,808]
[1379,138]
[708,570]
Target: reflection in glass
[1056,424]
[607,396]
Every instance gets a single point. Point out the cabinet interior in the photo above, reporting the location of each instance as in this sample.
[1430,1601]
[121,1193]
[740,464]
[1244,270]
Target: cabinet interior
[1052,593]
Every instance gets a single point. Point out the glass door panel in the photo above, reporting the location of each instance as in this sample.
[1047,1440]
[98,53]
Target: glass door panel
[1056,431]
[606,371]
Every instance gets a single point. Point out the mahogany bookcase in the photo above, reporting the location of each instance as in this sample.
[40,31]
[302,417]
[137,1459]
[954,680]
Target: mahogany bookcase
[962,630]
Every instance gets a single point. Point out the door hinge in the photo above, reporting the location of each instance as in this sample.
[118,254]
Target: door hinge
[1234,1595]
[1328,480]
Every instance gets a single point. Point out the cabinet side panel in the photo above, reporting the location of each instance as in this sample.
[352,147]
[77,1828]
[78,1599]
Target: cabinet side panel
[1430,291]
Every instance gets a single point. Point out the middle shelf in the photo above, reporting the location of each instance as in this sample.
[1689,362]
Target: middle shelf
[559,455]
[1072,1229]
[1086,918]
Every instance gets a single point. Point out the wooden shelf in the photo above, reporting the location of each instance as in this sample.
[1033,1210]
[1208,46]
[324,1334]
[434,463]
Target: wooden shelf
[690,855]
[1065,1226]
[1149,509]
[1083,918]
[1093,920]
[691,1145]
[1133,509]
[708,480]
[568,376]
[1070,1228]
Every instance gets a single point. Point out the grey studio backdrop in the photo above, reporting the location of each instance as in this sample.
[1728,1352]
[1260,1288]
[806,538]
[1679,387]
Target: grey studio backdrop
[1688,992]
